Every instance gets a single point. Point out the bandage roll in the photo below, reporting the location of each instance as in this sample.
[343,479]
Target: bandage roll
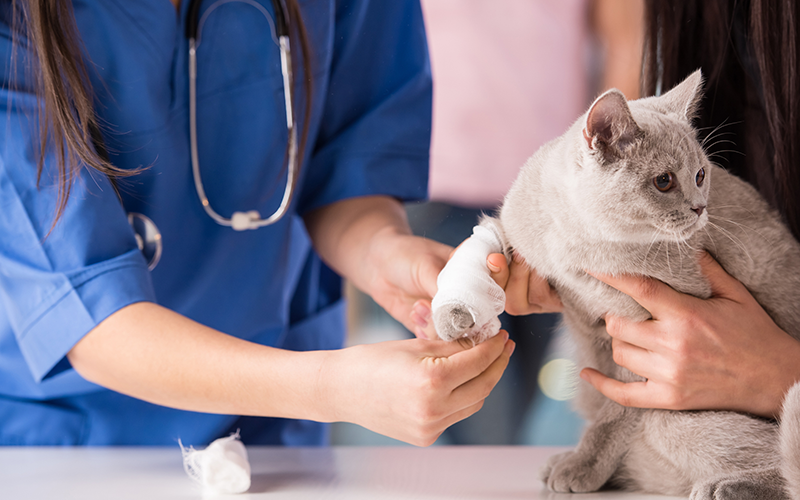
[222,467]
[468,300]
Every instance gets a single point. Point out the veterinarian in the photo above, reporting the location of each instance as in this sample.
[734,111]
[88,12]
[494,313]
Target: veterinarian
[725,352]
[182,185]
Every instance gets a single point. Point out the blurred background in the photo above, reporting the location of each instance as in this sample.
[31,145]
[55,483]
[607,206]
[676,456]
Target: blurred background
[508,76]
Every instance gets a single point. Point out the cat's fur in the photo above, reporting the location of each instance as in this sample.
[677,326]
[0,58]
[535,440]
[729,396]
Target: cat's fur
[587,201]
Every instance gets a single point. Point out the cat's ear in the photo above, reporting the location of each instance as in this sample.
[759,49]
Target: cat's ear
[610,127]
[684,99]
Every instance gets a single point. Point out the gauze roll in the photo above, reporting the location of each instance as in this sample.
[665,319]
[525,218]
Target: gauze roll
[222,467]
[468,300]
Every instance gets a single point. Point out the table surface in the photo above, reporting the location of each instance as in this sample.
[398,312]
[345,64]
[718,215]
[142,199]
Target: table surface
[352,473]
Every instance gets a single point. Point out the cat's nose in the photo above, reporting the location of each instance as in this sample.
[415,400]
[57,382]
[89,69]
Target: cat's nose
[699,209]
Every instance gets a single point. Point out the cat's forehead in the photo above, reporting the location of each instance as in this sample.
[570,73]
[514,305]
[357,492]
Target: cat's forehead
[666,140]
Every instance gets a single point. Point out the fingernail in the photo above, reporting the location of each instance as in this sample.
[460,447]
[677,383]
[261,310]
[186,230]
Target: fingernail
[423,312]
[493,268]
[420,333]
[418,320]
[584,375]
[511,346]
[517,258]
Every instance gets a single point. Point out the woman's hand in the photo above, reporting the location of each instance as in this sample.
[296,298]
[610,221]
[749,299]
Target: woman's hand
[405,283]
[526,291]
[368,241]
[411,390]
[721,353]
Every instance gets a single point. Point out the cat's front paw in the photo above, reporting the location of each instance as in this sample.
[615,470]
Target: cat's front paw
[571,472]
[453,321]
[458,320]
[744,487]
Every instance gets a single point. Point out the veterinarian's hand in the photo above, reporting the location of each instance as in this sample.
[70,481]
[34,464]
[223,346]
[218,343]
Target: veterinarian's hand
[411,390]
[406,281]
[723,353]
[526,291]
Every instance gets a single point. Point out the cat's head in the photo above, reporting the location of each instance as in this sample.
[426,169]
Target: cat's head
[643,175]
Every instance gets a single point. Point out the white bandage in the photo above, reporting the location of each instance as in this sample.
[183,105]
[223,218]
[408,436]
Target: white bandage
[468,300]
[222,467]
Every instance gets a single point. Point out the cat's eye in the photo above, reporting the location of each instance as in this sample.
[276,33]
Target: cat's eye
[664,182]
[700,177]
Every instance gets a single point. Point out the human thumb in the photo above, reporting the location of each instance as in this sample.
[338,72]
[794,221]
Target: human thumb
[722,283]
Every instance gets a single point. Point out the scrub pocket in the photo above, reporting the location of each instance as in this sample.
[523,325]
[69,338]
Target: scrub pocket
[36,423]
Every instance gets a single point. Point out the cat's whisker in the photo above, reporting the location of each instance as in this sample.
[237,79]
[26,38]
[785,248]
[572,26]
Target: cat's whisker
[736,241]
[652,241]
[715,153]
[668,263]
[705,228]
[739,224]
[717,165]
[722,141]
[716,129]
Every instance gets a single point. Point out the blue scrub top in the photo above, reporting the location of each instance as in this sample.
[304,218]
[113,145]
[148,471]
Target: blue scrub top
[369,134]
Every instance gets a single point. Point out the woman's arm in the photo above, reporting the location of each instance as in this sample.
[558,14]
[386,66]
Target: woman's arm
[409,390]
[152,353]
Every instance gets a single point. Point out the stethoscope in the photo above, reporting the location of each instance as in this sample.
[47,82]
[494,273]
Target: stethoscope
[148,236]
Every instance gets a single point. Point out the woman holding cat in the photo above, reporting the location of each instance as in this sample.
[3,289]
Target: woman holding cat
[725,352]
[95,348]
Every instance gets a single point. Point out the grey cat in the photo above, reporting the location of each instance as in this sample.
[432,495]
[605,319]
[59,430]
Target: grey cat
[628,189]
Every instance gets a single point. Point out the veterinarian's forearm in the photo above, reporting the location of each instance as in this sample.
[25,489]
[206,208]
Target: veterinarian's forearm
[152,353]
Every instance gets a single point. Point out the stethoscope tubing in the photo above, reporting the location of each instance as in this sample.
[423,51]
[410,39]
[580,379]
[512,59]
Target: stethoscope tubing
[252,219]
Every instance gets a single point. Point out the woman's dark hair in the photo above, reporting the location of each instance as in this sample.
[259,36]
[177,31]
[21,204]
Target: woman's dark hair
[748,51]
[67,120]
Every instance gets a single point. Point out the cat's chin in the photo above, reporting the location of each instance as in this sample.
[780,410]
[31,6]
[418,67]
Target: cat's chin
[687,232]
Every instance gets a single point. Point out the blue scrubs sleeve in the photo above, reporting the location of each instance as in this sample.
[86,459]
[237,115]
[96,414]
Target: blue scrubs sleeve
[374,136]
[56,283]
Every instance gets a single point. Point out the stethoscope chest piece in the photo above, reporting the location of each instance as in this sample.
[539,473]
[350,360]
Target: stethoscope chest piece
[148,238]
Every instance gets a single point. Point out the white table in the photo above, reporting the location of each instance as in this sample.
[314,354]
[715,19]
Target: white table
[346,473]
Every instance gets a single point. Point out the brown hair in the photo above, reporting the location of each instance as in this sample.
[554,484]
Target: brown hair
[748,50]
[67,121]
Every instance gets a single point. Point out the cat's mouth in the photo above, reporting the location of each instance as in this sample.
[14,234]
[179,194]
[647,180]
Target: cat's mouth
[675,231]
[687,231]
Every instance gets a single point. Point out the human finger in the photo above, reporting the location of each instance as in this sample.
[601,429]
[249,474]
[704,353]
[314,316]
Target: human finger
[478,388]
[517,287]
[633,394]
[453,251]
[634,358]
[430,432]
[541,294]
[650,293]
[422,319]
[461,414]
[463,366]
[498,268]
[631,332]
[722,283]
[429,268]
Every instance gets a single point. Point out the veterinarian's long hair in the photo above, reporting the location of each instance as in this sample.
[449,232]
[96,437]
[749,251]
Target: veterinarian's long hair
[67,122]
[748,50]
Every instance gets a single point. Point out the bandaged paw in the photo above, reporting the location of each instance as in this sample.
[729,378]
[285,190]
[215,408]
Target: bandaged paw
[222,467]
[468,300]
